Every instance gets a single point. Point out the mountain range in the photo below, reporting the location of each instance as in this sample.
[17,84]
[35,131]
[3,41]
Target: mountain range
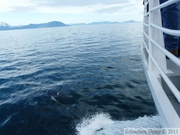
[103,22]
[5,26]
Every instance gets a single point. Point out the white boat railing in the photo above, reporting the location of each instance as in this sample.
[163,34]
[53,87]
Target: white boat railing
[153,43]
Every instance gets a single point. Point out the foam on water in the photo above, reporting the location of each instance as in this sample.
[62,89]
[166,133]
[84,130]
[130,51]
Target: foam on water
[102,124]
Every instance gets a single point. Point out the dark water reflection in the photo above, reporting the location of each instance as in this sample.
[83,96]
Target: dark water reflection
[52,78]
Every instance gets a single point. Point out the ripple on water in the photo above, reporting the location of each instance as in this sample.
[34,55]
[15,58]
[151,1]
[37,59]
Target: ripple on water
[62,75]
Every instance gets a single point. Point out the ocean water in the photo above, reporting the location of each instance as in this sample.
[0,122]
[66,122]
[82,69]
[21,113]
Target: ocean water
[75,80]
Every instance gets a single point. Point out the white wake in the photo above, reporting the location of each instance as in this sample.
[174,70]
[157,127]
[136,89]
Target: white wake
[102,124]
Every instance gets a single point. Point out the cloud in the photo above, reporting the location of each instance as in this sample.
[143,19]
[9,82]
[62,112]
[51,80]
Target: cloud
[79,3]
[108,10]
[71,10]
[23,9]
[61,5]
[86,6]
[16,5]
[115,8]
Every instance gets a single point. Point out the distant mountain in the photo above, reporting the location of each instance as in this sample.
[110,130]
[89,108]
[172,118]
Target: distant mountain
[130,21]
[93,23]
[43,25]
[77,24]
[104,22]
[5,26]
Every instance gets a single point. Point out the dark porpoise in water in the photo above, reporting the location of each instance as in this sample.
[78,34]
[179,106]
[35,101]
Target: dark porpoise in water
[56,97]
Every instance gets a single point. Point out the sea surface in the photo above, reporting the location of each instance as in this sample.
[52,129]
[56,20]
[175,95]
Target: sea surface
[75,80]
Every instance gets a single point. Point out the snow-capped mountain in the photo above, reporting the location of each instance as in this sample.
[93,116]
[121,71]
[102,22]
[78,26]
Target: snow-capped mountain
[3,24]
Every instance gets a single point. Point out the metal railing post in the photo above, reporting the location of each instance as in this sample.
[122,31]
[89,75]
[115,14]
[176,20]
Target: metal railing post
[157,35]
[150,64]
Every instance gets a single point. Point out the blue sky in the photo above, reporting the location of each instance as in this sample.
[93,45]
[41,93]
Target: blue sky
[21,12]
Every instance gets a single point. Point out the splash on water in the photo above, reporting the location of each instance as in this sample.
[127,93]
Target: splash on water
[102,124]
